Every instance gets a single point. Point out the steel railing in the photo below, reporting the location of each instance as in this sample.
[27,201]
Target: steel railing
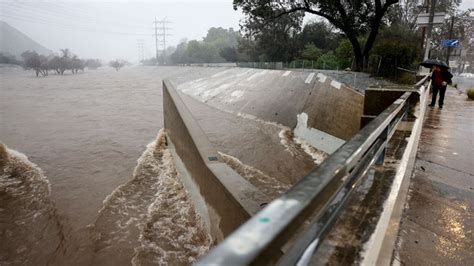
[320,196]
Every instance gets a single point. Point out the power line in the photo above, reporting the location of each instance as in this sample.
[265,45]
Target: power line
[73,27]
[65,14]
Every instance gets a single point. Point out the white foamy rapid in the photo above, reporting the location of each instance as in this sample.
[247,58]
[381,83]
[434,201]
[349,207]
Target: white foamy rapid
[294,146]
[29,228]
[151,219]
[267,184]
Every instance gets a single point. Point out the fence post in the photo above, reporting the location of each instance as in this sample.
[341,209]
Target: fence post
[378,68]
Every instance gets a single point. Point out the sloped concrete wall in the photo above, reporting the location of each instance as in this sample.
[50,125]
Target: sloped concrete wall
[280,95]
[334,108]
[230,199]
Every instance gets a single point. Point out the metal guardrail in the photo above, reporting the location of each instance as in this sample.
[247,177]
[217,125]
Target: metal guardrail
[320,196]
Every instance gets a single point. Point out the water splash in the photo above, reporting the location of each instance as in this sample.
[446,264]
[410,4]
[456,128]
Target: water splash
[295,146]
[29,227]
[150,219]
[267,184]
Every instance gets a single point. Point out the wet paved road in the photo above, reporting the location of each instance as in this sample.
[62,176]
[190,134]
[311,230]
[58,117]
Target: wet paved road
[438,222]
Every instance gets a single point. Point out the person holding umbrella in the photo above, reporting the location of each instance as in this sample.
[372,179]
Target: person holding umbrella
[440,78]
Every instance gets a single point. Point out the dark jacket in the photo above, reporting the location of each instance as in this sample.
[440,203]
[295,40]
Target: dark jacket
[445,75]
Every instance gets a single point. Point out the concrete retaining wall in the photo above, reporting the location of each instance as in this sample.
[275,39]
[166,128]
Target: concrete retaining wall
[279,96]
[334,108]
[230,199]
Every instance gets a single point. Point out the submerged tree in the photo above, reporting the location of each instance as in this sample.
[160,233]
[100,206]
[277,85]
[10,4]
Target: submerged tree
[32,60]
[93,63]
[117,64]
[353,18]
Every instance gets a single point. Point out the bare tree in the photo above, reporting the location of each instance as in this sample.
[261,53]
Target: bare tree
[77,64]
[117,64]
[93,63]
[31,60]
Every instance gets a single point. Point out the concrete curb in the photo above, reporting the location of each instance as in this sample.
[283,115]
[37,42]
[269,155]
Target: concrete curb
[379,249]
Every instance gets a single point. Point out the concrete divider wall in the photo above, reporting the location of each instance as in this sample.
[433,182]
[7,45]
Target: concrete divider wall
[230,199]
[334,108]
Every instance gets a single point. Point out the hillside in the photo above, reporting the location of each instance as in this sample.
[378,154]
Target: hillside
[14,42]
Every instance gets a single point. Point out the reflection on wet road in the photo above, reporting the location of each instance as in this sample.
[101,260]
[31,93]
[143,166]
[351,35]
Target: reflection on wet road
[438,223]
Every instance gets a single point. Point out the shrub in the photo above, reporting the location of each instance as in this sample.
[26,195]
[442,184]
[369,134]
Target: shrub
[298,63]
[328,61]
[470,93]
[8,59]
[407,78]
[311,52]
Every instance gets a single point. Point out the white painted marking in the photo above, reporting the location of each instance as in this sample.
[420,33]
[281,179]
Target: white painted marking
[286,73]
[309,78]
[336,84]
[321,77]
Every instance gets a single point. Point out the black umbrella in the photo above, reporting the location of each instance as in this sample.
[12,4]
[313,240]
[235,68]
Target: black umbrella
[429,63]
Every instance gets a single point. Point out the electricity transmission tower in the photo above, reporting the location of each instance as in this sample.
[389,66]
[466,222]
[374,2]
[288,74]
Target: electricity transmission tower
[141,50]
[161,32]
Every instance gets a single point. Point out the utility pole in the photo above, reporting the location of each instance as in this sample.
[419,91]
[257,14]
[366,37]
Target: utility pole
[426,4]
[450,37]
[430,29]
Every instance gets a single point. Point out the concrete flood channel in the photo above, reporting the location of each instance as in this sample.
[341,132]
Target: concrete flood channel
[100,206]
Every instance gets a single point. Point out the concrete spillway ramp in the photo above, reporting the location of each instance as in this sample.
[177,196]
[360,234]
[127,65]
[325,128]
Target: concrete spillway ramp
[279,96]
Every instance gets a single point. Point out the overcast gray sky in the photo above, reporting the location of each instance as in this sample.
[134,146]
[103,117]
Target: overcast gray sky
[112,29]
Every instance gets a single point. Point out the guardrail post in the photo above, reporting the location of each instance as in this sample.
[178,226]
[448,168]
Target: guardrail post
[384,136]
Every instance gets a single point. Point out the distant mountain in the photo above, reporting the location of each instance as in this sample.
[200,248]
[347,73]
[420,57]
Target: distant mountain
[14,42]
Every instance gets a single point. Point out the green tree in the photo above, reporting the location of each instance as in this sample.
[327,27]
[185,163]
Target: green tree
[180,55]
[220,37]
[344,54]
[311,52]
[353,18]
[229,54]
[319,33]
[272,40]
[328,61]
[397,46]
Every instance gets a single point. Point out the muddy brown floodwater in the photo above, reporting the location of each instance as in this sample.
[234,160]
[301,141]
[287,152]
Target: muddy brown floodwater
[105,190]
[86,132]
